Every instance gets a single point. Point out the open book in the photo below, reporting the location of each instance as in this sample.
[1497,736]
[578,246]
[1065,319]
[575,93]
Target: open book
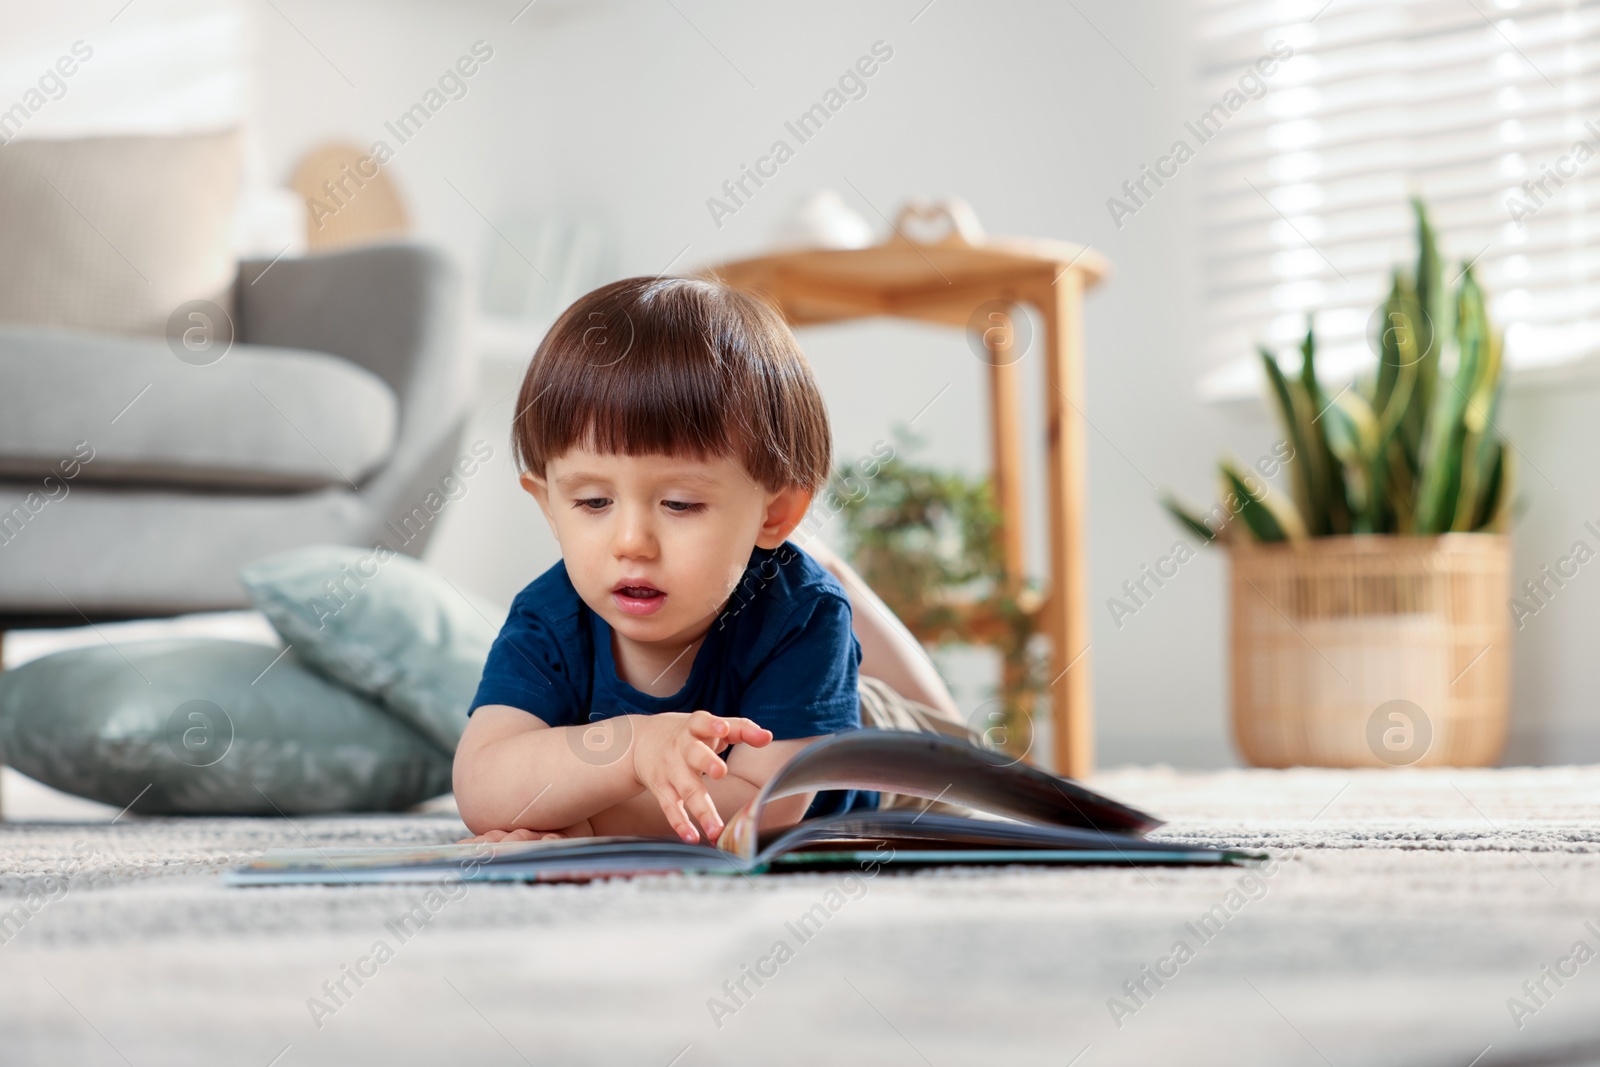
[1020,814]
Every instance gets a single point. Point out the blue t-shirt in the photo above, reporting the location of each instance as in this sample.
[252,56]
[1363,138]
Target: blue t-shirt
[781,653]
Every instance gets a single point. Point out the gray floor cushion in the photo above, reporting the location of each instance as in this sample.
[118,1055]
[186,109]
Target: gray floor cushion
[383,624]
[85,408]
[204,726]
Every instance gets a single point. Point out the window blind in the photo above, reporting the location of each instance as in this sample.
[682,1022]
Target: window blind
[1305,200]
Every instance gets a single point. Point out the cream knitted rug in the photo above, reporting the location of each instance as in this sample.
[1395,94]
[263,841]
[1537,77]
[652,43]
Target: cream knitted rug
[1413,917]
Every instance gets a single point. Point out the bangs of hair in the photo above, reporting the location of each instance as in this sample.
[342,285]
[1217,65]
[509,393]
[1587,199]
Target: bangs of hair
[680,367]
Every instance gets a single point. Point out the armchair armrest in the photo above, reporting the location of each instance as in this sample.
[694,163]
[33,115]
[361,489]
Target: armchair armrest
[399,311]
[394,309]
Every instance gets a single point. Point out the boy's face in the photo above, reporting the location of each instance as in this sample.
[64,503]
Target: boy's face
[656,544]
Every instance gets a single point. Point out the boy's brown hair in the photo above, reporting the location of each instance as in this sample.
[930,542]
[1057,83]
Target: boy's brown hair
[675,366]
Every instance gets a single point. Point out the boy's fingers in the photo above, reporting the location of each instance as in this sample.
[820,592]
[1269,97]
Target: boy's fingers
[711,820]
[700,804]
[708,727]
[700,757]
[509,835]
[727,731]
[677,815]
[747,732]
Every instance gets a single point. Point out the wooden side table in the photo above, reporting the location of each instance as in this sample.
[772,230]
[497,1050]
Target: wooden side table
[948,271]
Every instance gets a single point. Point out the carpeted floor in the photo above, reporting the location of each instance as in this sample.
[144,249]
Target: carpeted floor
[1406,909]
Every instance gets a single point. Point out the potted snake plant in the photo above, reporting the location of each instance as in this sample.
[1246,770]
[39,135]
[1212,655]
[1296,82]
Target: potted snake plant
[1368,602]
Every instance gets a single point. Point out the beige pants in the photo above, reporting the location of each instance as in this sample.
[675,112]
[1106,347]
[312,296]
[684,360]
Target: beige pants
[885,709]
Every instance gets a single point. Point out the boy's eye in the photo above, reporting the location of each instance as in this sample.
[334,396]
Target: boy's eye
[593,503]
[682,506]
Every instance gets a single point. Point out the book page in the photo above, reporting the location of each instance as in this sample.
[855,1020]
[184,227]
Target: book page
[937,768]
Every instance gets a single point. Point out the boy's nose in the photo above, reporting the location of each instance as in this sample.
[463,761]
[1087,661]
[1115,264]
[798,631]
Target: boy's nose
[635,538]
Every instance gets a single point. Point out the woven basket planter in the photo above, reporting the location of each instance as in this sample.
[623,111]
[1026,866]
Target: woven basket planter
[1372,651]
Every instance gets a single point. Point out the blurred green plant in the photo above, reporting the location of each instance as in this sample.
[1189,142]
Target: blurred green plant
[928,542]
[1412,449]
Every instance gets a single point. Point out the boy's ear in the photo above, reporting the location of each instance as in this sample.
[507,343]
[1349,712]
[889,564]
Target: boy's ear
[539,489]
[784,512]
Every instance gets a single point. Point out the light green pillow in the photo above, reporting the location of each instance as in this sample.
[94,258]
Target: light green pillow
[383,624]
[198,726]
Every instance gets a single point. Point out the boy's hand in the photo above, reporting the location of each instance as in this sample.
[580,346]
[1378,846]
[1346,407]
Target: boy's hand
[514,835]
[671,750]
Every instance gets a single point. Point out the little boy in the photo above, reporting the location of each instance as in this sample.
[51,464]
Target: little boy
[682,651]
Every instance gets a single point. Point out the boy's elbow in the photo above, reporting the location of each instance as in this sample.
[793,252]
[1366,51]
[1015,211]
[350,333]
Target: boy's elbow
[482,812]
[469,803]
[475,801]
[489,797]
[477,824]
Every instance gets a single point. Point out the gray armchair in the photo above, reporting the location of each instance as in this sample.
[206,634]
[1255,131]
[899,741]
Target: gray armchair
[136,483]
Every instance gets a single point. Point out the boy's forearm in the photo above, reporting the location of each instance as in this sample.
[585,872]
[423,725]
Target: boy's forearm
[537,781]
[509,776]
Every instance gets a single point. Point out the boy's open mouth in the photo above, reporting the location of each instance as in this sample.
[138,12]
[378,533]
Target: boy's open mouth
[637,597]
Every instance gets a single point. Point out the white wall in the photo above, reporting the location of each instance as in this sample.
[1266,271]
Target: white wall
[1556,674]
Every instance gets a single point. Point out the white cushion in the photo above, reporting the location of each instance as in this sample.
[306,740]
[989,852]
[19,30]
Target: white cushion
[114,233]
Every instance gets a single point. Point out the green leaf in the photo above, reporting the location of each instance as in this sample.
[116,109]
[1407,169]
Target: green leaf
[1188,519]
[1289,416]
[1352,432]
[1265,519]
[1390,479]
[1494,501]
[1481,449]
[1445,453]
[1432,321]
[1332,505]
[1400,490]
[1394,330]
[1485,387]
